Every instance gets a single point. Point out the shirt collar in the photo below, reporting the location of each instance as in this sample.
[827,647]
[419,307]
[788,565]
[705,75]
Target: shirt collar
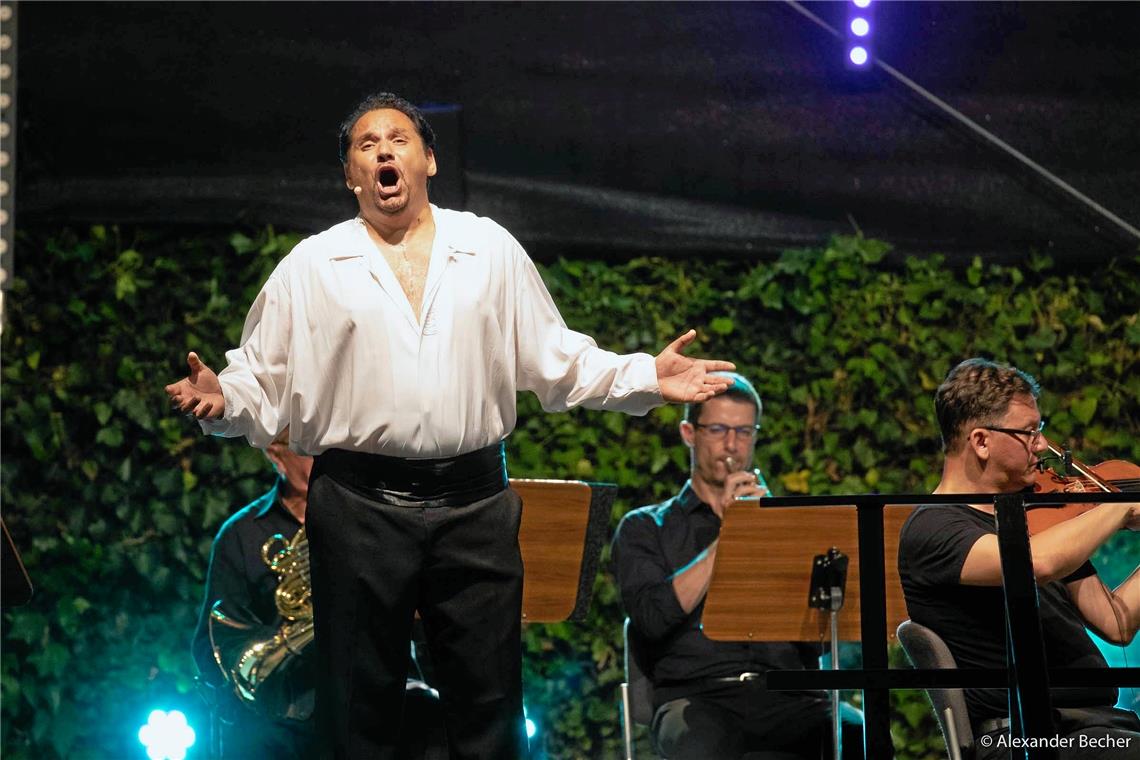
[688,499]
[449,231]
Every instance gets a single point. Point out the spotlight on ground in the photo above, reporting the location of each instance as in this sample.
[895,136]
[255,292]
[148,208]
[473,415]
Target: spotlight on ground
[166,735]
[531,726]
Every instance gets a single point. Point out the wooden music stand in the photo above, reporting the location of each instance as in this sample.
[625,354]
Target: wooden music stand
[761,579]
[564,525]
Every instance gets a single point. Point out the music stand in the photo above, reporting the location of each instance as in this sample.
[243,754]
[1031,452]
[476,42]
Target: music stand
[763,571]
[564,526]
[762,574]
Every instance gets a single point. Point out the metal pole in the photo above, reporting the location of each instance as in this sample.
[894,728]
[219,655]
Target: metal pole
[873,629]
[1029,696]
[836,723]
[626,722]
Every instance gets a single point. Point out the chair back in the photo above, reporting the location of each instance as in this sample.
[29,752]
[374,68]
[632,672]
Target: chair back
[926,649]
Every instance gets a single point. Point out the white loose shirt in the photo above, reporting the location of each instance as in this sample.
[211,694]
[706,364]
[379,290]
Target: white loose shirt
[332,348]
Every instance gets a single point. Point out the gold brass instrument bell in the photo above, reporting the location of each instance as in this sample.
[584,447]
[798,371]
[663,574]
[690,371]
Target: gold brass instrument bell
[259,659]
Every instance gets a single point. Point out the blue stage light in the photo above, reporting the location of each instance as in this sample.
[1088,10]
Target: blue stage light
[166,736]
[857,36]
[531,726]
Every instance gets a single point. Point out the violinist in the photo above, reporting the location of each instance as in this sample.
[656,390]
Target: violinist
[992,439]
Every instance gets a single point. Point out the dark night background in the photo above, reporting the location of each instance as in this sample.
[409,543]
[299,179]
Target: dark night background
[602,128]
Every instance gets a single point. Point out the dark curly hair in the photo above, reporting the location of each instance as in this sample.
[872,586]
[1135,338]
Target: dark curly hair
[385,100]
[978,391]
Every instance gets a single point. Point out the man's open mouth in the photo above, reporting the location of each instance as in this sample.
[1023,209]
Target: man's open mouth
[388,178]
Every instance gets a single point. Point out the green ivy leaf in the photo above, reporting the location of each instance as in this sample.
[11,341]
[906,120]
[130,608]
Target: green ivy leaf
[110,436]
[1084,409]
[102,412]
[189,480]
[722,325]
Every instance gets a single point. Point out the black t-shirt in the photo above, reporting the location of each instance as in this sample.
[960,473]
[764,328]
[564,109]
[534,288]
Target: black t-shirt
[971,619]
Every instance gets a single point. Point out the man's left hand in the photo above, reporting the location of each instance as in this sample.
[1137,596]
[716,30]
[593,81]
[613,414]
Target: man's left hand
[688,380]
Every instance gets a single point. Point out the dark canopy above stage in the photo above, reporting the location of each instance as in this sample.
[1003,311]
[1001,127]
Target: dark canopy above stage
[726,128]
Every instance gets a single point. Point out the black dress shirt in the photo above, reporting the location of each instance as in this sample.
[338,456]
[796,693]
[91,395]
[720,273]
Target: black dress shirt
[239,576]
[652,545]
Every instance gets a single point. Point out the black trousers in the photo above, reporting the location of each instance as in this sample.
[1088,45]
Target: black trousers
[744,720]
[373,566]
[250,737]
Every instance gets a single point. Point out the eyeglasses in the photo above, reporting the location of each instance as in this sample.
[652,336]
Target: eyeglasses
[719,431]
[1034,436]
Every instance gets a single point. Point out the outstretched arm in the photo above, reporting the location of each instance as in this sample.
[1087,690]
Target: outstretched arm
[688,380]
[1058,550]
[199,393]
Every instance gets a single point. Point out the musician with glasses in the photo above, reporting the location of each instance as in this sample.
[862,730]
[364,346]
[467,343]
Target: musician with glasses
[992,438]
[709,701]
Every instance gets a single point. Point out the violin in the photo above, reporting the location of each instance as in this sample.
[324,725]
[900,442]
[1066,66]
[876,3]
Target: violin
[1112,476]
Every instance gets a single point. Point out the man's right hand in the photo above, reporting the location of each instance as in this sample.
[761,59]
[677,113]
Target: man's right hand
[1132,518]
[200,394]
[739,485]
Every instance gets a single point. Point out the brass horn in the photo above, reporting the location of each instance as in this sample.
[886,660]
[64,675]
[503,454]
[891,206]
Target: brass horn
[257,659]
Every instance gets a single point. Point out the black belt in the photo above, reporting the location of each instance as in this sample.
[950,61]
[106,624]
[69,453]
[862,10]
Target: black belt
[689,683]
[742,678]
[449,482]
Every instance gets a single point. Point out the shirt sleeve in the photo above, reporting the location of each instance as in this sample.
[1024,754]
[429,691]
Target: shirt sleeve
[254,382]
[644,580]
[565,368]
[1082,572]
[936,544]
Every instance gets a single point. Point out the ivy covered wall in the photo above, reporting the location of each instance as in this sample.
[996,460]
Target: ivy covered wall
[113,499]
